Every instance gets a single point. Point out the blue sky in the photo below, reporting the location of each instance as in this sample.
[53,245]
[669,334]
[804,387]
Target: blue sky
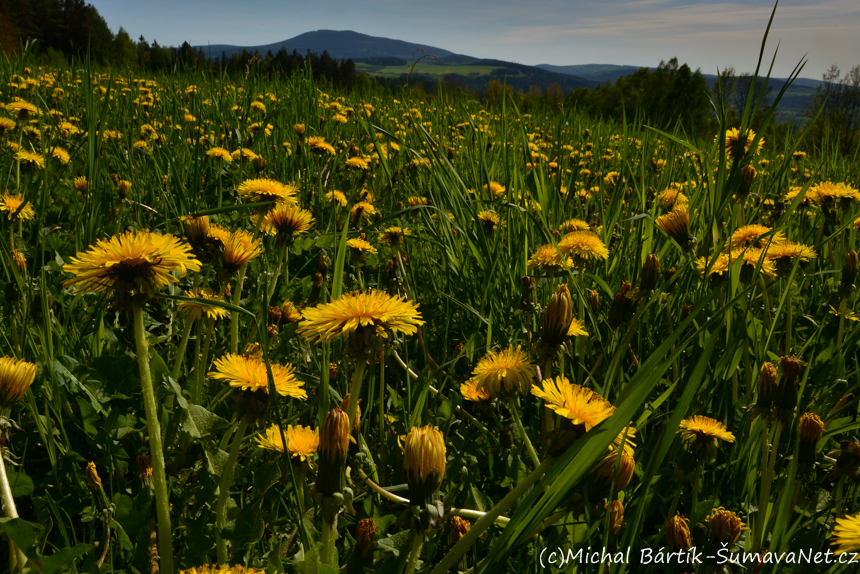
[704,34]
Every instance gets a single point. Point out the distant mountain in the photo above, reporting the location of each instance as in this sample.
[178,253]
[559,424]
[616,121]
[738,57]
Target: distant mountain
[341,45]
[595,72]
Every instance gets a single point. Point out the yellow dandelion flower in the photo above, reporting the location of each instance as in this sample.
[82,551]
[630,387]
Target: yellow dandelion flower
[30,159]
[737,144]
[302,442]
[22,109]
[472,392]
[700,429]
[846,534]
[827,193]
[61,155]
[394,235]
[490,220]
[506,371]
[362,210]
[676,224]
[576,329]
[244,154]
[16,208]
[670,197]
[572,225]
[583,246]
[249,374]
[268,190]
[726,526]
[357,163]
[579,404]
[15,378]
[752,236]
[220,153]
[319,146]
[336,196]
[139,260]
[288,220]
[289,313]
[549,257]
[195,310]
[496,189]
[361,245]
[239,246]
[372,311]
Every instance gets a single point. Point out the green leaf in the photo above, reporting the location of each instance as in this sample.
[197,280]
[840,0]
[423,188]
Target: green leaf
[20,483]
[62,560]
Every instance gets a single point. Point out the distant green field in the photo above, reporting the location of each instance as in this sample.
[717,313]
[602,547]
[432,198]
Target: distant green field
[425,69]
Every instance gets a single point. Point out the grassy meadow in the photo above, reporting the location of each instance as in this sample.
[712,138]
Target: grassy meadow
[268,325]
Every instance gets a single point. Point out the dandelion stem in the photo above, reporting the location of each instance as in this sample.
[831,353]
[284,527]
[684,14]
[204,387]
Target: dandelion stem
[204,362]
[328,535]
[512,403]
[15,554]
[454,555]
[282,256]
[180,353]
[417,544]
[764,498]
[839,499]
[159,479]
[234,319]
[224,490]
[354,390]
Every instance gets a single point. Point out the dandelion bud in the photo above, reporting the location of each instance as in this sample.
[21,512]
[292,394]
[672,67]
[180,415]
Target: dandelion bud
[272,331]
[748,175]
[810,429]
[323,265]
[676,224]
[616,516]
[289,313]
[618,310]
[15,378]
[604,473]
[459,528]
[849,275]
[767,384]
[785,397]
[124,187]
[93,477]
[791,367]
[299,129]
[332,372]
[20,262]
[725,526]
[557,317]
[114,178]
[334,442]
[424,460]
[144,468]
[594,300]
[275,315]
[253,350]
[196,229]
[650,273]
[259,163]
[81,184]
[677,533]
[657,165]
[586,134]
[364,537]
